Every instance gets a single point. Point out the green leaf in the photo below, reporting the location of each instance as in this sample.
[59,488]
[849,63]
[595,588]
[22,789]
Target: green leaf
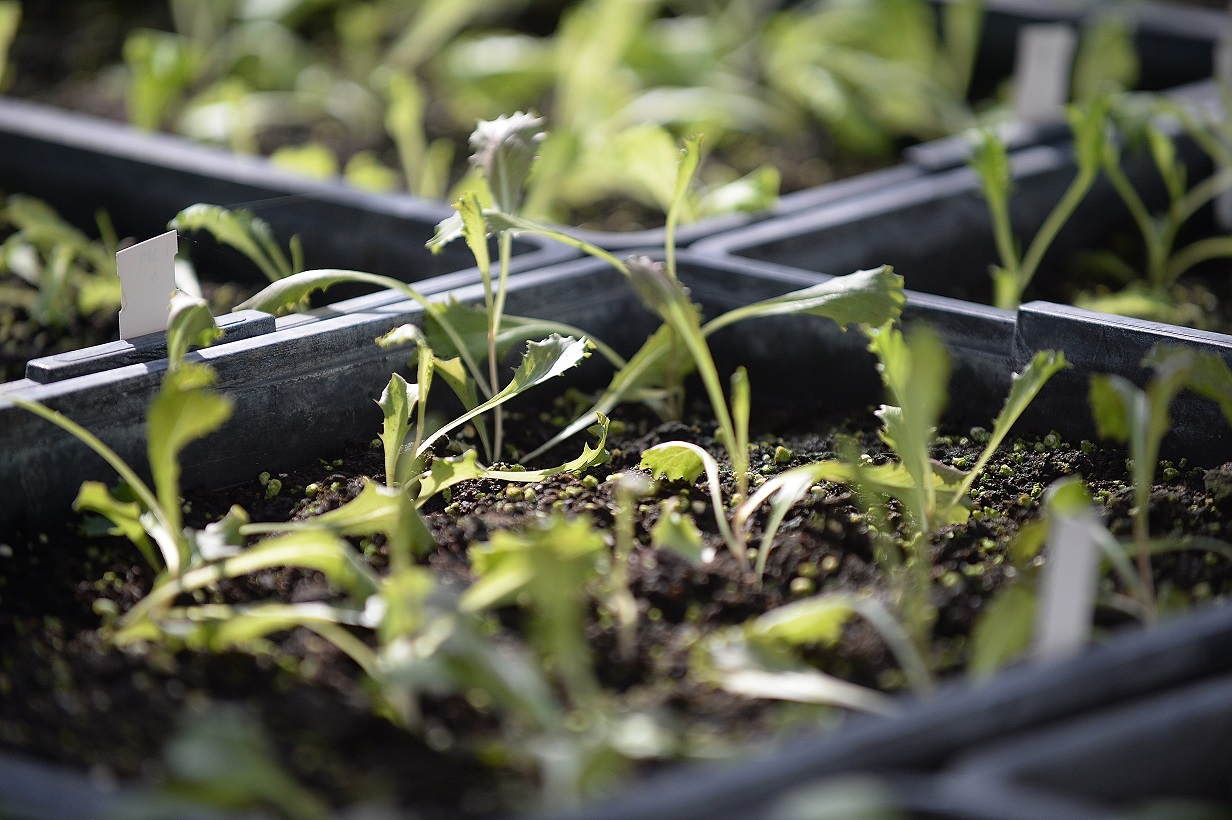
[658,288]
[185,409]
[541,362]
[1003,631]
[446,472]
[674,461]
[676,532]
[504,149]
[1024,388]
[317,549]
[314,160]
[475,231]
[241,230]
[592,456]
[867,297]
[917,372]
[1112,399]
[992,163]
[374,511]
[125,517]
[447,230]
[782,492]
[556,558]
[751,671]
[683,461]
[291,290]
[190,325]
[818,620]
[395,404]
[644,374]
[401,336]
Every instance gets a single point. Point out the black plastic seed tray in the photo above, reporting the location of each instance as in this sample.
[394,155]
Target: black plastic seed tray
[937,232]
[310,385]
[1175,46]
[81,164]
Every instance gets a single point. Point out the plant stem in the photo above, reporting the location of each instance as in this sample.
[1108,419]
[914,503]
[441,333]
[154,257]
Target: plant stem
[1049,230]
[1203,250]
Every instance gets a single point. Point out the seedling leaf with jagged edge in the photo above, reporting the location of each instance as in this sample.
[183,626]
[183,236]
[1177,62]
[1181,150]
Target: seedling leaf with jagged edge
[542,361]
[868,297]
[239,229]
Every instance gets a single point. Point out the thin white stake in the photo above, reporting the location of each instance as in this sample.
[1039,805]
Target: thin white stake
[1042,72]
[147,282]
[1068,586]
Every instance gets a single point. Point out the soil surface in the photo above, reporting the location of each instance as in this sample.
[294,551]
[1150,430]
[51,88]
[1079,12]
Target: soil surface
[69,697]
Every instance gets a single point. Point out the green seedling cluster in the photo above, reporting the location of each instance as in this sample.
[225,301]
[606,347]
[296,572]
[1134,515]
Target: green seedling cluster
[418,637]
[1108,131]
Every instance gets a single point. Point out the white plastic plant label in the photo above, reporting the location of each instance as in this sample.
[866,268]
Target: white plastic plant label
[147,282]
[1068,586]
[1042,72]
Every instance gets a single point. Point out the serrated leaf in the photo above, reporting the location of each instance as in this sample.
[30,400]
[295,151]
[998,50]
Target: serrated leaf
[395,403]
[676,532]
[542,361]
[991,161]
[401,336]
[446,472]
[867,297]
[655,286]
[645,371]
[447,230]
[475,231]
[504,149]
[239,229]
[592,456]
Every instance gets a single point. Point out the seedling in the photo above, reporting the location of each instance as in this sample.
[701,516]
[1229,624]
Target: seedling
[184,410]
[1148,293]
[64,274]
[991,161]
[1140,418]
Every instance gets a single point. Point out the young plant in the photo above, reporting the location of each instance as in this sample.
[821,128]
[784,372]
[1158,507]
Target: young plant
[64,274]
[1140,418]
[1165,262]
[991,161]
[504,151]
[760,658]
[915,369]
[184,410]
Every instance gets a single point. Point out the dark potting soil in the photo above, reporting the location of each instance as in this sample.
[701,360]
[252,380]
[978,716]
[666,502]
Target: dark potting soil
[67,696]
